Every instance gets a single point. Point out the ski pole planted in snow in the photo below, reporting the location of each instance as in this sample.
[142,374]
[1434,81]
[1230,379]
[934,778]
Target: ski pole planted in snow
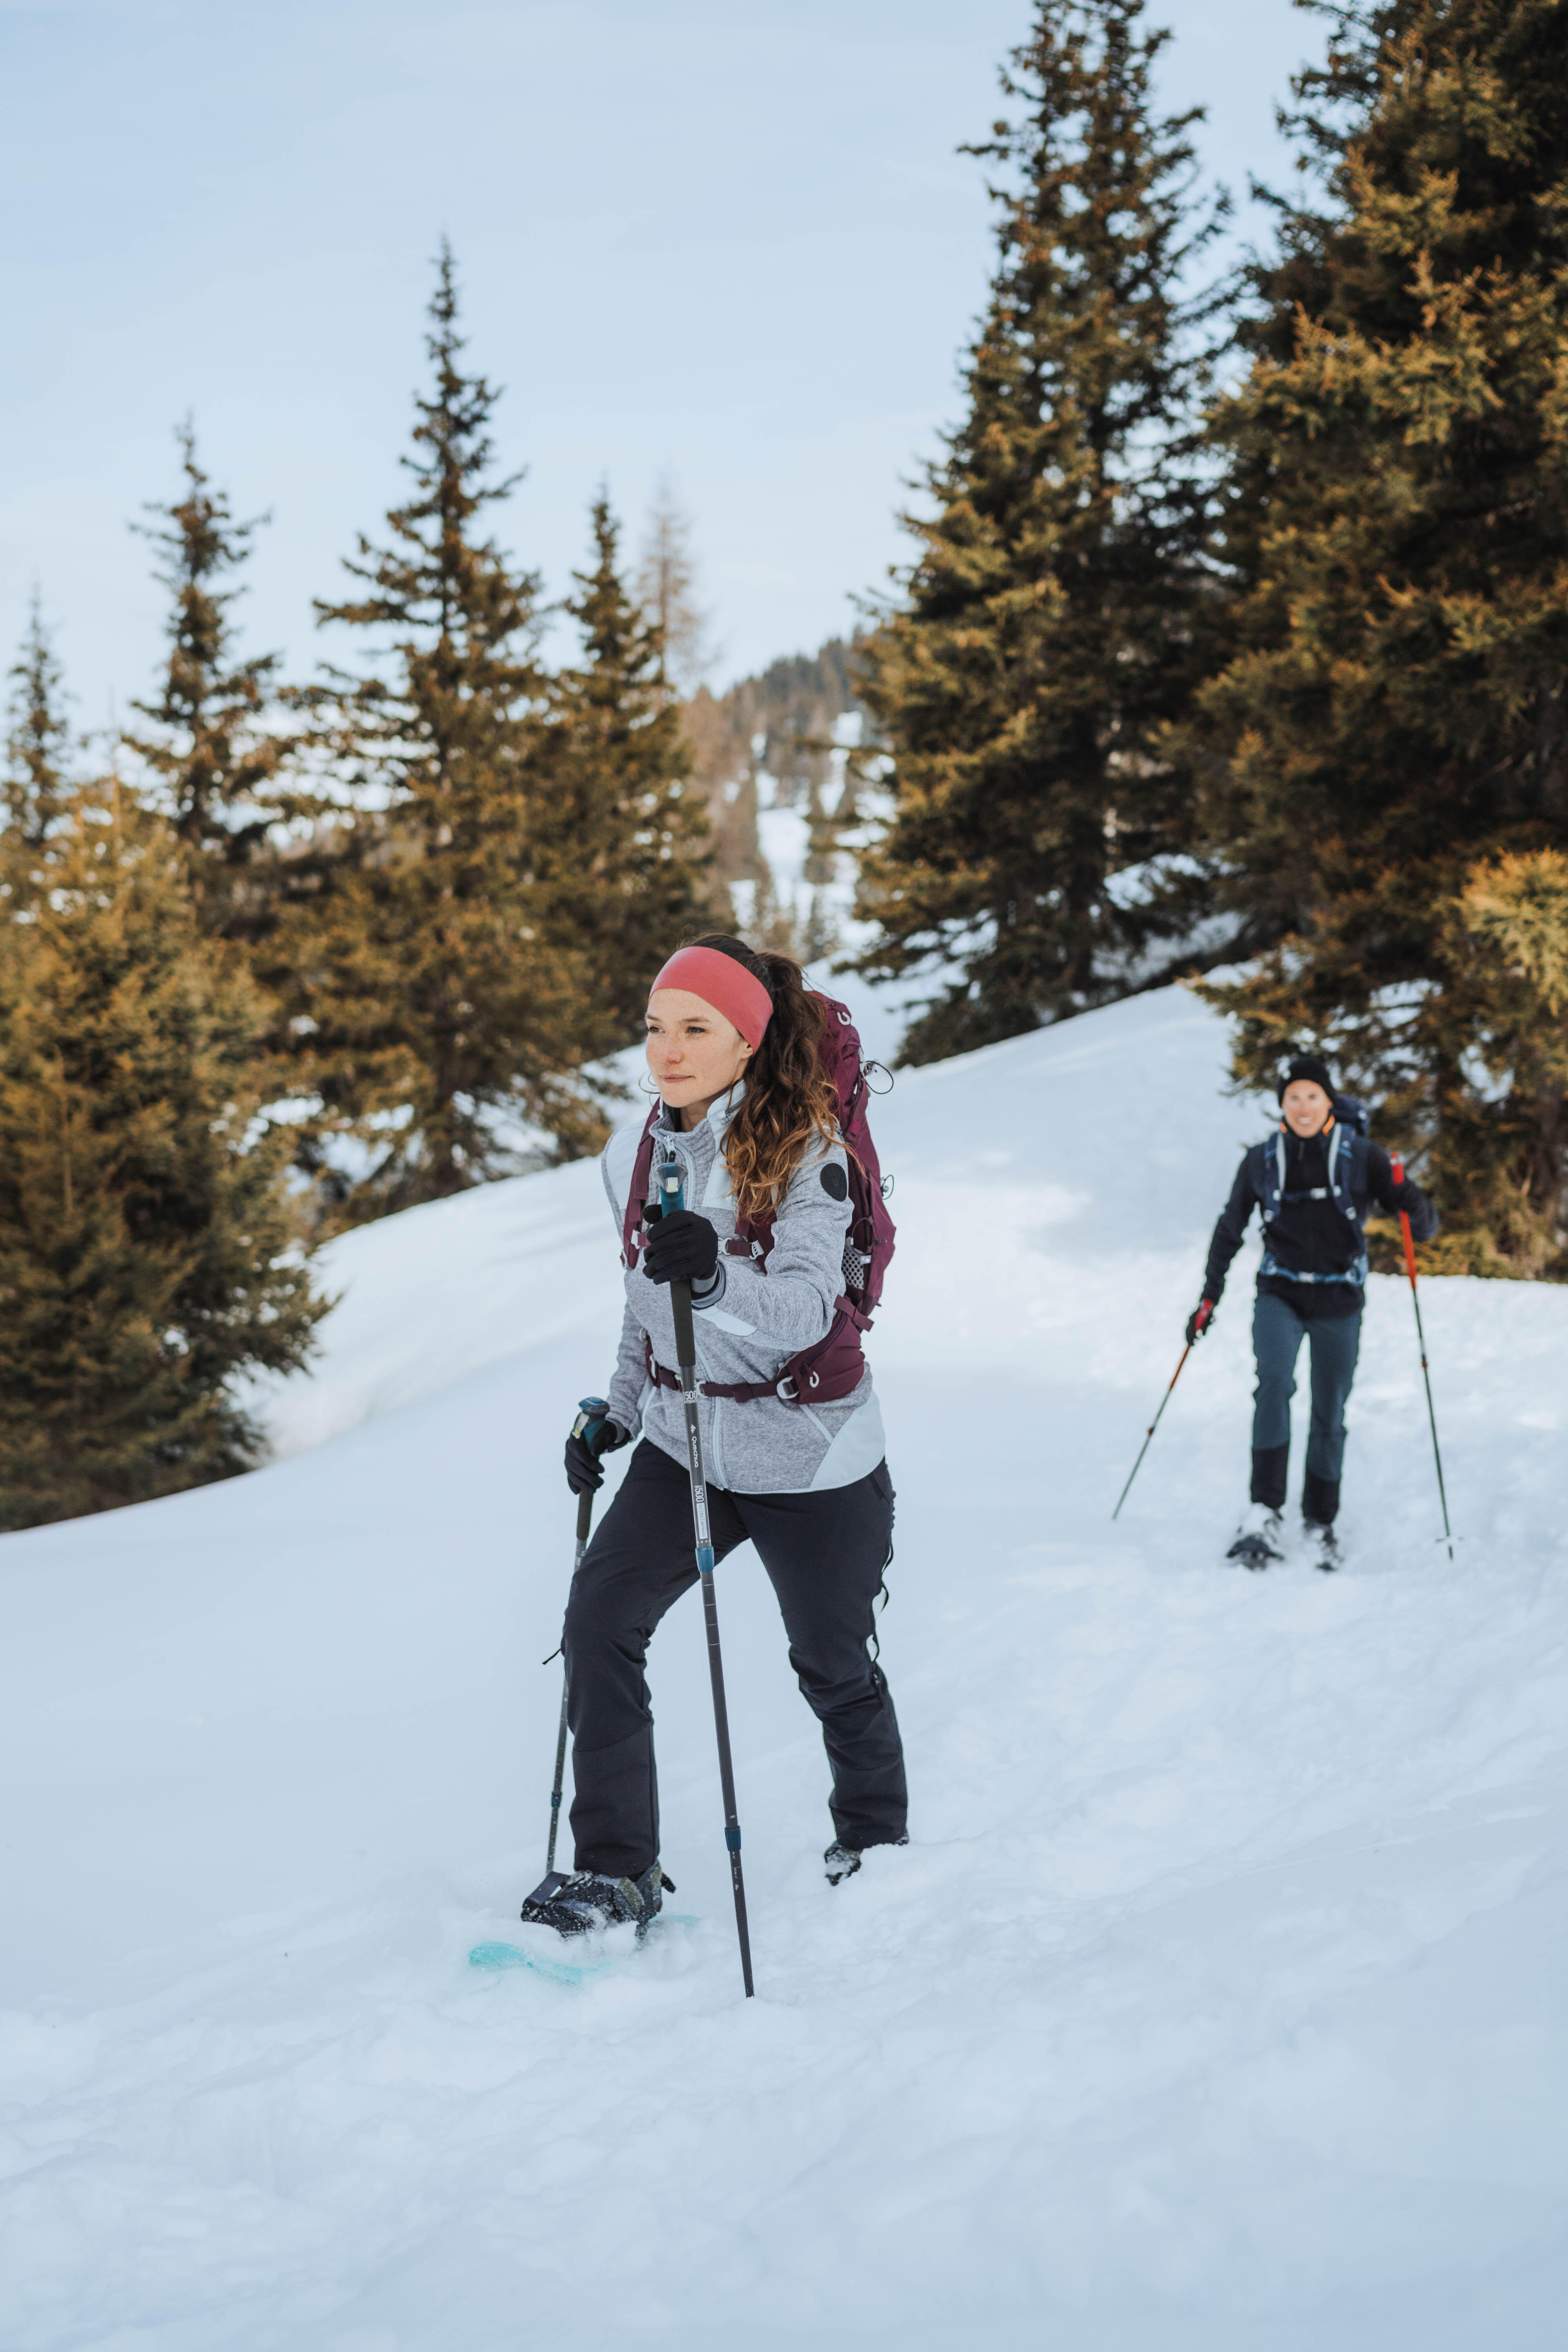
[1421,1342]
[673,1198]
[1204,1313]
[590,1412]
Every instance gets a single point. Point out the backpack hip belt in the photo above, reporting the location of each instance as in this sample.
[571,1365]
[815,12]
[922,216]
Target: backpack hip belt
[832,1368]
[1271,1265]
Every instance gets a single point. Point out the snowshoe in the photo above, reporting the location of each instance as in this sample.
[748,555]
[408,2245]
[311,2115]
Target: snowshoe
[843,1861]
[1260,1539]
[575,1900]
[1322,1545]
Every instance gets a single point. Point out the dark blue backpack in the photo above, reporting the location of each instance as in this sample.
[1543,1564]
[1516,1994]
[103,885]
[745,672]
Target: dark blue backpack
[1347,1177]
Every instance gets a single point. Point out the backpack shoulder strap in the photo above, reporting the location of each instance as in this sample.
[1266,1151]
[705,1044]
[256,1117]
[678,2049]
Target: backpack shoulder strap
[753,1236]
[1348,1170]
[634,1237]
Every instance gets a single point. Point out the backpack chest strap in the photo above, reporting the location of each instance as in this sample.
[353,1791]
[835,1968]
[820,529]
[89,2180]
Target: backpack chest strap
[1270,1181]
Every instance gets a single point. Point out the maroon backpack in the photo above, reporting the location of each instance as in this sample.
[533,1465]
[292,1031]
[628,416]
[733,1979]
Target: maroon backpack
[834,1365]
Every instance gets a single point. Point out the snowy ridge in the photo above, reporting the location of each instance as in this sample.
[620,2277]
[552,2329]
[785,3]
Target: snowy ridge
[1218,2001]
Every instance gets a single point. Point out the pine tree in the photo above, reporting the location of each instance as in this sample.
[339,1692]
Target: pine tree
[1395,715]
[1506,990]
[616,835]
[38,741]
[1054,618]
[423,1005]
[38,751]
[148,1251]
[214,753]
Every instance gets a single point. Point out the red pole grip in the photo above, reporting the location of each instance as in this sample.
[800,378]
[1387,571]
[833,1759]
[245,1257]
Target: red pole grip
[1396,1169]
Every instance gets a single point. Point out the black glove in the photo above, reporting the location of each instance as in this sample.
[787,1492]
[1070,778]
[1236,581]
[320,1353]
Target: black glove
[590,1438]
[681,1248]
[1198,1321]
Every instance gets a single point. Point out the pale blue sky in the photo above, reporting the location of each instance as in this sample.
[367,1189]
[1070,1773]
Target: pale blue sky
[730,239]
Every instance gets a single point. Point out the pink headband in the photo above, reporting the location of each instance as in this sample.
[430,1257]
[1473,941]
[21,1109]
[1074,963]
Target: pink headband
[724,984]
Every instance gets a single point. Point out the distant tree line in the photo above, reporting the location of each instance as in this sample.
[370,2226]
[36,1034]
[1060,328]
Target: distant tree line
[773,741]
[1237,632]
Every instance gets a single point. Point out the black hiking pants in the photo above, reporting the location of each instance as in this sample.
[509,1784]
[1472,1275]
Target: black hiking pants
[825,1554]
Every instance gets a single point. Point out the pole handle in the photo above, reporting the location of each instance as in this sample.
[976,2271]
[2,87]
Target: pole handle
[670,1180]
[1396,1169]
[685,1337]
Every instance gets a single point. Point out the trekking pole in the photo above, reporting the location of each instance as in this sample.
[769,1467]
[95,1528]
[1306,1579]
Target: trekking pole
[672,1197]
[1421,1342]
[1204,1311]
[591,1411]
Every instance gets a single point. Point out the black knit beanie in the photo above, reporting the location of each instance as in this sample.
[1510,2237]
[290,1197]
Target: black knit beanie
[1311,1067]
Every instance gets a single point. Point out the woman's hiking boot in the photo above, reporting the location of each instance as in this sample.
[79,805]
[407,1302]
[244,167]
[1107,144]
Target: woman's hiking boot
[575,1900]
[843,1861]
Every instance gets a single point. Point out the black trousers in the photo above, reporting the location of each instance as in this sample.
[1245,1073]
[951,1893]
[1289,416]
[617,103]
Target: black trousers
[825,1554]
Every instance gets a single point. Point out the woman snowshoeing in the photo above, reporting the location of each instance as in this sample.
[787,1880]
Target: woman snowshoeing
[748,1107]
[1314,1185]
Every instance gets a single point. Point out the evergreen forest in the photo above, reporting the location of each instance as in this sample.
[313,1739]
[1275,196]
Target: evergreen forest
[1231,649]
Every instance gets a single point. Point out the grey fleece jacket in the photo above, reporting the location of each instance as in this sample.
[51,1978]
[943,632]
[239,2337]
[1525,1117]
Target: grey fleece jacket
[749,1322]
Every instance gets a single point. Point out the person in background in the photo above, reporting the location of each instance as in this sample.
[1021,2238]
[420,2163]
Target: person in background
[1314,1185]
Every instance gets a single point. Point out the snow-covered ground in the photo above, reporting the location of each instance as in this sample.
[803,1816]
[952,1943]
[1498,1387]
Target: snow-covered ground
[1220,2000]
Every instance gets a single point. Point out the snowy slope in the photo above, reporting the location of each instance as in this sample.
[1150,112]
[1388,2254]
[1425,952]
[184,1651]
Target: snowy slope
[1219,2000]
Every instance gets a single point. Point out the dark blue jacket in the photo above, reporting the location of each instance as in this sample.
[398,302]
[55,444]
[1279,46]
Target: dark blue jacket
[1309,1236]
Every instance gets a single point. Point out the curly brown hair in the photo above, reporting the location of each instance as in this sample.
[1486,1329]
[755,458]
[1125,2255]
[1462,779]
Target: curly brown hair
[789,1096]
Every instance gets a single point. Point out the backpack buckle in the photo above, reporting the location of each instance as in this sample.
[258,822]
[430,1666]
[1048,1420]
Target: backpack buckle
[788,1389]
